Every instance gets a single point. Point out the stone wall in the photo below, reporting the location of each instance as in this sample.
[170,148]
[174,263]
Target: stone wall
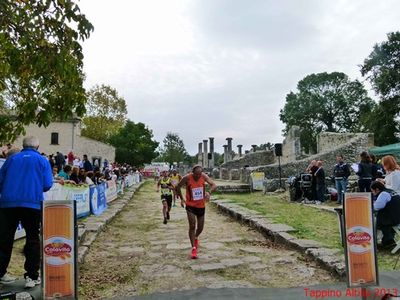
[251,159]
[291,147]
[328,140]
[349,150]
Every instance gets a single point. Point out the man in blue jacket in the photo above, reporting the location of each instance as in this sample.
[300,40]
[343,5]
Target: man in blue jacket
[23,179]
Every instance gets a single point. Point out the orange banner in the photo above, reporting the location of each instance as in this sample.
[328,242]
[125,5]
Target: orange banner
[58,250]
[360,240]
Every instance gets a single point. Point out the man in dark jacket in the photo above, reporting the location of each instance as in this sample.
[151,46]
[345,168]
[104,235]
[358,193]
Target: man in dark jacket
[23,179]
[87,165]
[387,205]
[341,173]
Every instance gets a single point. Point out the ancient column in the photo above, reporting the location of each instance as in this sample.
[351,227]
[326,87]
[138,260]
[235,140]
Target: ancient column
[205,153]
[211,161]
[240,150]
[254,148]
[200,155]
[229,150]
[225,153]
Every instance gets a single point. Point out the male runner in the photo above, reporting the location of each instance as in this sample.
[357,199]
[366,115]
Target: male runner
[166,194]
[175,179]
[196,197]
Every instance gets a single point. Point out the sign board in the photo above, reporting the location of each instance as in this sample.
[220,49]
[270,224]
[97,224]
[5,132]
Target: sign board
[71,192]
[59,244]
[98,201]
[360,241]
[257,179]
[111,191]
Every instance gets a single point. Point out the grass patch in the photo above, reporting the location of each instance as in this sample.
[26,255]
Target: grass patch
[310,223]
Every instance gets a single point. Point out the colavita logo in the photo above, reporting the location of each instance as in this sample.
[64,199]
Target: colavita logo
[57,249]
[358,237]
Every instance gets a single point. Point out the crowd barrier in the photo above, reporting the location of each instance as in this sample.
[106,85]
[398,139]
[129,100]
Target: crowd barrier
[89,199]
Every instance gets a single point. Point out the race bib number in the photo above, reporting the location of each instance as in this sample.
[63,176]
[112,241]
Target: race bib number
[198,194]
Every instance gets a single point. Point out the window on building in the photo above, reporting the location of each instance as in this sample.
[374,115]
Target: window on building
[54,138]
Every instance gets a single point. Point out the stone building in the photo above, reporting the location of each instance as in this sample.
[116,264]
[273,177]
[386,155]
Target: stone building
[66,136]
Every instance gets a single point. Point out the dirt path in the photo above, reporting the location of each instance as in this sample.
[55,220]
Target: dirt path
[137,254]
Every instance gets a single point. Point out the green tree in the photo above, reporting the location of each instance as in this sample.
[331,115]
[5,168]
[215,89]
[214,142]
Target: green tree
[173,149]
[383,123]
[325,102]
[382,69]
[41,63]
[105,113]
[134,144]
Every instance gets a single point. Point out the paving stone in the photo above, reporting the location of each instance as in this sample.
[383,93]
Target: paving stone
[158,271]
[231,239]
[305,244]
[176,246]
[82,251]
[94,226]
[89,239]
[162,242]
[251,259]
[305,271]
[232,262]
[208,267]
[278,227]
[283,261]
[258,267]
[253,249]
[127,250]
[212,245]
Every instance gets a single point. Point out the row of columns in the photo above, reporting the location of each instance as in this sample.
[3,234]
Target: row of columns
[206,155]
[205,158]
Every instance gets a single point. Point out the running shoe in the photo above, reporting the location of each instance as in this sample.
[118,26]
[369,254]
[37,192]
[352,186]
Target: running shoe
[30,283]
[196,243]
[7,279]
[194,253]
[165,220]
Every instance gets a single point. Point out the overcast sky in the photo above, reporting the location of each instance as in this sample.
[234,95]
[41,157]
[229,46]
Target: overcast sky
[222,68]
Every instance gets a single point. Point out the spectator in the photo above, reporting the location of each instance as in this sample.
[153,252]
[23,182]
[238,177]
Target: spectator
[86,164]
[320,182]
[377,168]
[312,168]
[75,175]
[364,172]
[52,161]
[70,158]
[387,205]
[392,178]
[59,160]
[341,173]
[65,173]
[24,178]
[89,177]
[77,162]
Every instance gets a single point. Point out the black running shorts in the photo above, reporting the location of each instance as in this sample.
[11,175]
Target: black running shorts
[199,212]
[167,198]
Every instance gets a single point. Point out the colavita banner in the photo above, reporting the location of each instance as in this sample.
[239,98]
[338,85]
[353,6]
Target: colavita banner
[59,249]
[360,242]
[257,179]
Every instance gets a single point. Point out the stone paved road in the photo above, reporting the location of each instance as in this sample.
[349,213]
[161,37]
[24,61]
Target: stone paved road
[138,255]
